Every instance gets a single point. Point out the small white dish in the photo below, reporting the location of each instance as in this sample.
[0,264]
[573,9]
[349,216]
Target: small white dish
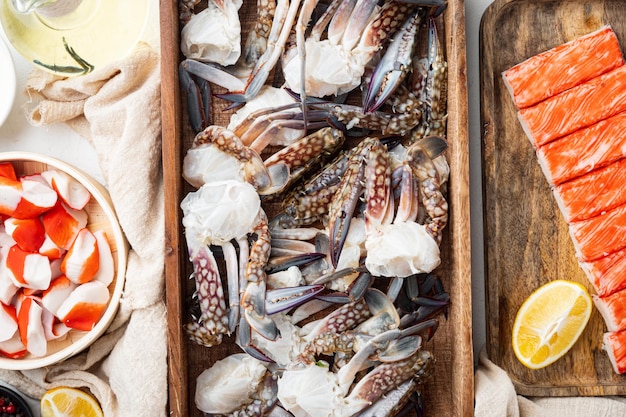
[7,81]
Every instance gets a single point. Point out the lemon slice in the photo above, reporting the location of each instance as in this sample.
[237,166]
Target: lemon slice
[66,402]
[549,322]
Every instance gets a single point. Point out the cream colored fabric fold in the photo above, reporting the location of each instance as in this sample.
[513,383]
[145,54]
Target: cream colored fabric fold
[495,396]
[117,108]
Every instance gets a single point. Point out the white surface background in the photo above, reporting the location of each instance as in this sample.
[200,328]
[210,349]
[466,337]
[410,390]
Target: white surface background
[16,134]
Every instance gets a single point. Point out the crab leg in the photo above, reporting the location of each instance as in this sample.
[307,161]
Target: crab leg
[434,92]
[269,58]
[256,42]
[426,172]
[253,297]
[232,273]
[208,329]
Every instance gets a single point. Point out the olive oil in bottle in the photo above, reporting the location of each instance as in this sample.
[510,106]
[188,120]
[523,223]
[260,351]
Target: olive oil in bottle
[73,37]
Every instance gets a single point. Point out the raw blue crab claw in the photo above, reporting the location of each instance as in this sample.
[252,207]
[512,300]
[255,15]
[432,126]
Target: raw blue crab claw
[395,64]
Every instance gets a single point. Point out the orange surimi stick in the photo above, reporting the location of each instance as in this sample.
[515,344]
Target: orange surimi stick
[584,150]
[607,274]
[598,191]
[578,107]
[563,67]
[614,343]
[613,310]
[600,235]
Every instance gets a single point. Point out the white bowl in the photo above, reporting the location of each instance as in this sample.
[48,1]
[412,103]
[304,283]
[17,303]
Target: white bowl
[7,82]
[101,217]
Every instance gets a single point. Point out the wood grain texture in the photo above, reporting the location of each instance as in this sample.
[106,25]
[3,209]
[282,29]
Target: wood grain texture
[526,238]
[450,392]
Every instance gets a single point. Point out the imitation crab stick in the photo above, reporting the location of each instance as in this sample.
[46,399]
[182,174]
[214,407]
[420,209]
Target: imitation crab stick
[600,235]
[576,108]
[584,150]
[28,234]
[8,321]
[614,343]
[62,224]
[607,274]
[31,327]
[81,262]
[27,269]
[72,192]
[85,305]
[591,194]
[563,67]
[613,310]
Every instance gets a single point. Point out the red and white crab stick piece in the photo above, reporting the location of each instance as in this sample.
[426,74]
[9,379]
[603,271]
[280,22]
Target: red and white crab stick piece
[62,224]
[613,310]
[601,235]
[85,305]
[584,150]
[28,234]
[59,290]
[106,264]
[8,322]
[72,192]
[27,269]
[607,274]
[614,343]
[563,67]
[581,106]
[592,194]
[81,262]
[31,327]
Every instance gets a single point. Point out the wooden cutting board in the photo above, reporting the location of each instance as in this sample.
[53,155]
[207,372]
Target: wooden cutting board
[526,239]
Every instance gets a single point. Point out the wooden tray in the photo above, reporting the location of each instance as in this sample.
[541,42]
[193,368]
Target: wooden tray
[450,391]
[526,239]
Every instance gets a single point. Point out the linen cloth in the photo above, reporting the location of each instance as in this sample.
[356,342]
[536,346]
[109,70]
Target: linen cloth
[117,109]
[495,396]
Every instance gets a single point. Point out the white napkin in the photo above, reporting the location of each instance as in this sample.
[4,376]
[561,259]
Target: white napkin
[117,108]
[495,396]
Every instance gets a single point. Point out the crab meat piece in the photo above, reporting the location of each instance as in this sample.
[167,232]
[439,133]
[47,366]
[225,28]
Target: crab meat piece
[53,329]
[106,269]
[7,170]
[30,323]
[563,67]
[62,224]
[59,290]
[8,319]
[85,305]
[228,384]
[28,234]
[36,197]
[13,348]
[50,249]
[27,269]
[72,192]
[214,34]
[82,260]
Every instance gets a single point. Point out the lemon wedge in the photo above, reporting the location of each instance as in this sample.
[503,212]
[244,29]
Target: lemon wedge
[66,402]
[549,322]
